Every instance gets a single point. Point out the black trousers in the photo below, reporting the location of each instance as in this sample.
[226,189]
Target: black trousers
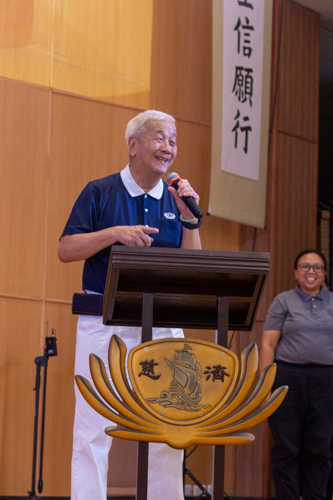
[302,429]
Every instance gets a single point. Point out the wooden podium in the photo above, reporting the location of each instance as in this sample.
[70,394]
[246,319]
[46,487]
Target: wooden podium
[167,287]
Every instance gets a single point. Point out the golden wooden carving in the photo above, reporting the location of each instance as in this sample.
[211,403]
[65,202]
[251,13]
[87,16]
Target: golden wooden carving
[181,392]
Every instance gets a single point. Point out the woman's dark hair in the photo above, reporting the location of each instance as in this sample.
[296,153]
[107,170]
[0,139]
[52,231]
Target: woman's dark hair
[310,250]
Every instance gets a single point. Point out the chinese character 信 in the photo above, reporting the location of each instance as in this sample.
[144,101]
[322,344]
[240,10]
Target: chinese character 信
[246,28]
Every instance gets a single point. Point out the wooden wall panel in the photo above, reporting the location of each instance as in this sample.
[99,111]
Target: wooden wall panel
[26,36]
[24,112]
[181,67]
[16,23]
[99,49]
[19,346]
[295,143]
[296,206]
[122,465]
[299,72]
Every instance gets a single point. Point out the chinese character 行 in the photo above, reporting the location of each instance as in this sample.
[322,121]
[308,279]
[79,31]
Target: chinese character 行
[245,129]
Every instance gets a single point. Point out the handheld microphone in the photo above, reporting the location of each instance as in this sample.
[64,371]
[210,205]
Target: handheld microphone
[172,180]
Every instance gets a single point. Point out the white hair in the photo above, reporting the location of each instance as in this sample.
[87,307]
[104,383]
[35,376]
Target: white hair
[138,122]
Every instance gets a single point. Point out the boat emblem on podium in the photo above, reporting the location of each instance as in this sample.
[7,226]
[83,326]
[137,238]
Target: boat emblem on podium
[200,397]
[185,389]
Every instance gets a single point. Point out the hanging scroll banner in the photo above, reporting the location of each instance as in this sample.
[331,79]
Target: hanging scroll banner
[241,90]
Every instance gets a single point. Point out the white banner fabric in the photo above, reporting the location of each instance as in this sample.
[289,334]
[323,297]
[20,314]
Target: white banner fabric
[242,32]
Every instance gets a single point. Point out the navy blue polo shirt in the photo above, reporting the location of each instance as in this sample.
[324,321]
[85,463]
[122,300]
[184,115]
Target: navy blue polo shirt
[116,200]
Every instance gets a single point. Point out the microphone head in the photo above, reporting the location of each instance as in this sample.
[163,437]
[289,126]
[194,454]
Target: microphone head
[171,177]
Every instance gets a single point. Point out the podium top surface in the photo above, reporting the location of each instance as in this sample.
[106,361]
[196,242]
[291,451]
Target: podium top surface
[185,285]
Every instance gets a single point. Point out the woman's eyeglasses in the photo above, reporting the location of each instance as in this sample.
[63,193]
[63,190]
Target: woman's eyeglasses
[305,267]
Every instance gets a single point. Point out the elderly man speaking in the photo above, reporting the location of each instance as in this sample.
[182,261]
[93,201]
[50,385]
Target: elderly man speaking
[136,208]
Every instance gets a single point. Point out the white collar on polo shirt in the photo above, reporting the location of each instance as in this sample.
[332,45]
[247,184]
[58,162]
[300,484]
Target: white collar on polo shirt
[134,189]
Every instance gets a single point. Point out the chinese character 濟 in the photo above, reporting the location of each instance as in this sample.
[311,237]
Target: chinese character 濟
[217,371]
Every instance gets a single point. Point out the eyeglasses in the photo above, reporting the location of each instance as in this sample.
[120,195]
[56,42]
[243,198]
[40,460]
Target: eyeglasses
[305,267]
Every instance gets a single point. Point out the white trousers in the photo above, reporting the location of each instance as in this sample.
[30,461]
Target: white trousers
[91,445]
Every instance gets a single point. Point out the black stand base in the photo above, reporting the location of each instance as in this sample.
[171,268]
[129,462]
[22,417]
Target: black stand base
[204,493]
[32,496]
[187,472]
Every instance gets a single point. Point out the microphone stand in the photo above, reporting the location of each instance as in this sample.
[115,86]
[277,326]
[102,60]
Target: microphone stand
[204,493]
[50,350]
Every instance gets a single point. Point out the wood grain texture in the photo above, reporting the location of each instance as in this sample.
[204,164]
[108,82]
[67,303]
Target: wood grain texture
[181,64]
[296,206]
[102,50]
[24,112]
[299,72]
[19,345]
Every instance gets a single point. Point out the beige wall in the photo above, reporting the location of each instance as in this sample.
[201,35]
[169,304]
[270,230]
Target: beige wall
[53,142]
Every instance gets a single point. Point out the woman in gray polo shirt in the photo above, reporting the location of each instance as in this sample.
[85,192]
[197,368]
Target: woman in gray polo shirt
[298,336]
